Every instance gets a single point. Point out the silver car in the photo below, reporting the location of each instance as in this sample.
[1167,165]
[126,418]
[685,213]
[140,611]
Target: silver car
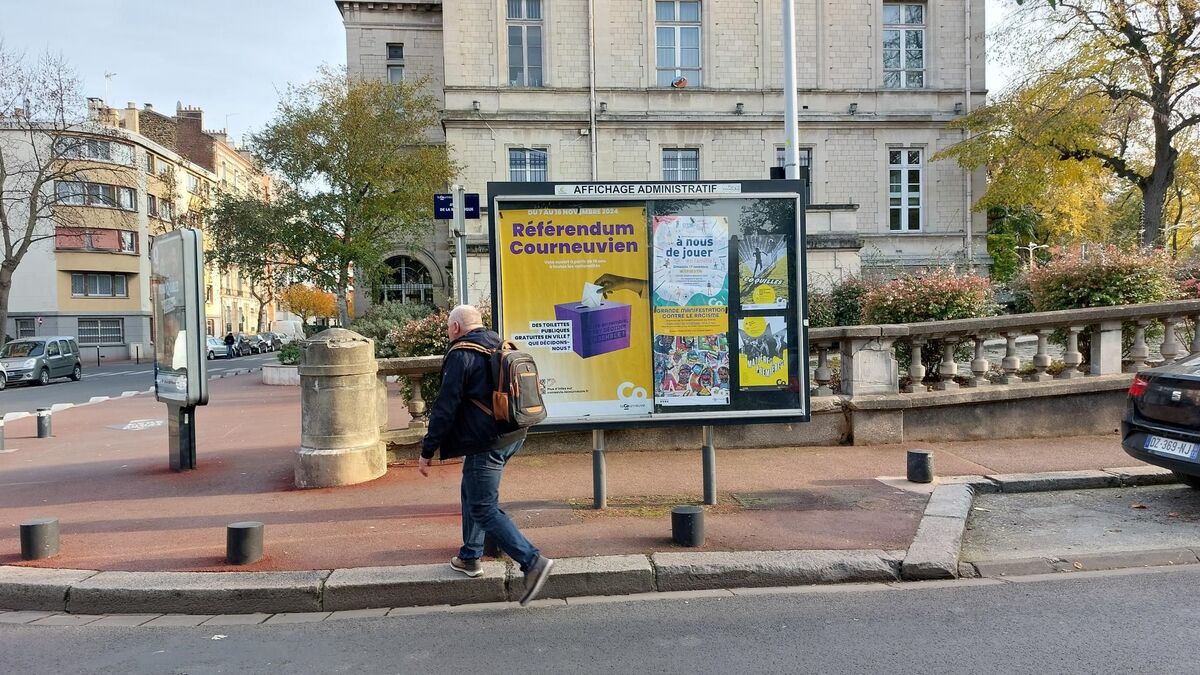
[41,359]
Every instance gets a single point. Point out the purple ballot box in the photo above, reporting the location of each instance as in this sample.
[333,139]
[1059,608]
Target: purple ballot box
[596,330]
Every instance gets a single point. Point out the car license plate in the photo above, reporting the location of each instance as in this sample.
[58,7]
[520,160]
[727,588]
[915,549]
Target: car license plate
[1171,447]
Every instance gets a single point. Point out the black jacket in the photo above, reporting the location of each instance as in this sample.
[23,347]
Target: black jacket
[458,427]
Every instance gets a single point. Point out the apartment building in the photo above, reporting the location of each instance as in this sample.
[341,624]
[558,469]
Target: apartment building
[683,90]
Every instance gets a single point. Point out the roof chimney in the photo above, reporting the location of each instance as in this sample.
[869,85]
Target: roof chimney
[149,106]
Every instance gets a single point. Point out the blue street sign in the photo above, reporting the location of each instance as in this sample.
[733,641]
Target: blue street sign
[443,206]
[471,200]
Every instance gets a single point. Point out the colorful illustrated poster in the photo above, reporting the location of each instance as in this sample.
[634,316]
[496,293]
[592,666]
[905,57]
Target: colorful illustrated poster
[763,271]
[575,296]
[691,310]
[763,349]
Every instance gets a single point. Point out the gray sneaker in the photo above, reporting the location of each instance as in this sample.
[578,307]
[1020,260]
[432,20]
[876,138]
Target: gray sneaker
[471,568]
[535,578]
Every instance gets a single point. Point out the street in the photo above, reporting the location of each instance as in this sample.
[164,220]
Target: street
[1130,621]
[106,380]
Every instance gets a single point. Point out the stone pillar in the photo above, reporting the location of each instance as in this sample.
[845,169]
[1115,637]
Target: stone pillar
[1106,349]
[339,434]
[869,366]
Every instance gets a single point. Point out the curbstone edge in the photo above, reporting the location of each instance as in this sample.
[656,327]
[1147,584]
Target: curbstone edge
[197,592]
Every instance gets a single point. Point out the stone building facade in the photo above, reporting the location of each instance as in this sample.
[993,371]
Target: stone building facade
[692,90]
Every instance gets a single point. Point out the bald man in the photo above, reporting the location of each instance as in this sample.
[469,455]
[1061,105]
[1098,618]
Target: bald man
[460,425]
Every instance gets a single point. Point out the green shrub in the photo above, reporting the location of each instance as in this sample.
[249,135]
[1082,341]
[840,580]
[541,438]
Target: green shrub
[938,295]
[1006,263]
[383,318]
[820,310]
[289,354]
[426,336]
[847,298]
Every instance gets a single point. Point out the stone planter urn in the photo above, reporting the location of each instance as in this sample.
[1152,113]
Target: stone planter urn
[280,375]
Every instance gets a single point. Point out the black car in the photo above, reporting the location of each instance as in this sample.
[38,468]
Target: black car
[241,345]
[1162,418]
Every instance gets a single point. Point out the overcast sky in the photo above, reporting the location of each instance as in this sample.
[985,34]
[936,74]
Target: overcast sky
[229,57]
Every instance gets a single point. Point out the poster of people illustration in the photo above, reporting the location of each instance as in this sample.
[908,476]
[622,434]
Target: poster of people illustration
[691,310]
[763,352]
[763,271]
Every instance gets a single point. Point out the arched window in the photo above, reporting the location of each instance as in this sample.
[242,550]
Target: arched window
[409,281]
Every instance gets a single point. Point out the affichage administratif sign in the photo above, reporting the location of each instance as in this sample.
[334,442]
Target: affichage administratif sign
[647,304]
[647,189]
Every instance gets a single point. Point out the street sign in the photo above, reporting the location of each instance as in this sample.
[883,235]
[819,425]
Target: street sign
[443,206]
[471,205]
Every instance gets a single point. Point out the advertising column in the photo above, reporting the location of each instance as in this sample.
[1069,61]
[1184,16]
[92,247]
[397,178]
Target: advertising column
[574,294]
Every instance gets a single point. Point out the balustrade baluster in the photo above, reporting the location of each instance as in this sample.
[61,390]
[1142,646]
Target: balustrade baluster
[916,369]
[1011,362]
[416,403]
[1071,357]
[980,366]
[1041,360]
[1140,352]
[823,375]
[948,368]
[1170,345]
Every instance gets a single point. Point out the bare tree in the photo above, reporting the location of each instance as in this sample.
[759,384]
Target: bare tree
[44,156]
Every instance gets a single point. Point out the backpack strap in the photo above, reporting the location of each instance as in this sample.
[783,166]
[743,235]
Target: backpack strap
[471,346]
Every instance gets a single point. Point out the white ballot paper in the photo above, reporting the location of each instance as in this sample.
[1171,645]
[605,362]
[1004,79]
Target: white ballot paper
[593,295]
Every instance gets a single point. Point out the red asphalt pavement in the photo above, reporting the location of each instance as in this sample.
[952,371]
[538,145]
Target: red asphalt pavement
[121,508]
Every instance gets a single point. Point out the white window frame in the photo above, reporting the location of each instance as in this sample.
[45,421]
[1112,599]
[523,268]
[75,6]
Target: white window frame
[98,195]
[677,27]
[94,331]
[805,152]
[96,150]
[672,164]
[395,64]
[127,241]
[92,290]
[518,16]
[395,73]
[906,77]
[528,173]
[901,202]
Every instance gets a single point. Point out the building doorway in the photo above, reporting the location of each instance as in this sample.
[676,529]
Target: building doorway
[408,281]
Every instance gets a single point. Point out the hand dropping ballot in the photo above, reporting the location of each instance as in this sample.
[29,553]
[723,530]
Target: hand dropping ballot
[598,326]
[593,295]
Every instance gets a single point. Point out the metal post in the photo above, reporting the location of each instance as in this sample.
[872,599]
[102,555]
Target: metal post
[599,483]
[710,467]
[43,423]
[791,125]
[39,539]
[460,241]
[97,357]
[181,432]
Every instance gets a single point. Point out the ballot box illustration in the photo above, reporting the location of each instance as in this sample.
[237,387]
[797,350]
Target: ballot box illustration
[598,329]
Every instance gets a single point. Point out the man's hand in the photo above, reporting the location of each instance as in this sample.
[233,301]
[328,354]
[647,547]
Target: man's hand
[423,466]
[613,282]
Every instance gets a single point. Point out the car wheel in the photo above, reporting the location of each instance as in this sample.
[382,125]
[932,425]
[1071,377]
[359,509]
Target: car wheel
[1189,480]
[211,355]
[77,373]
[3,381]
[44,377]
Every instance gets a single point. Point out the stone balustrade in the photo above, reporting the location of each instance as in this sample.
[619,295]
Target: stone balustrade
[870,355]
[413,369]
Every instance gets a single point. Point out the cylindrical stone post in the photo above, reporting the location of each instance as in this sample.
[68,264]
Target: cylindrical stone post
[43,423]
[244,543]
[687,525]
[39,539]
[339,399]
[920,466]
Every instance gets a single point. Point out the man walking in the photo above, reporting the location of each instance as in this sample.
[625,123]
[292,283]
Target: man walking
[460,426]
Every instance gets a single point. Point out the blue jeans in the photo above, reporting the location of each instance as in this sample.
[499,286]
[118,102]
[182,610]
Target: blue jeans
[481,513]
[229,351]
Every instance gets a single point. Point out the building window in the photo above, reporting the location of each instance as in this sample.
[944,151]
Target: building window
[408,282]
[525,43]
[193,183]
[152,205]
[904,46]
[76,193]
[904,189]
[98,285]
[805,155]
[101,331]
[526,165]
[681,164]
[26,328]
[395,63]
[395,74]
[95,149]
[128,242]
[395,51]
[677,40]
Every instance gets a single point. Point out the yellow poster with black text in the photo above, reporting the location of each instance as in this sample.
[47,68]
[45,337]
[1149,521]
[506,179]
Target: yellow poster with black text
[763,357]
[574,294]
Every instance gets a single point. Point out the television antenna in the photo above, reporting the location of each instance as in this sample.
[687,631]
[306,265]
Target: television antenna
[107,80]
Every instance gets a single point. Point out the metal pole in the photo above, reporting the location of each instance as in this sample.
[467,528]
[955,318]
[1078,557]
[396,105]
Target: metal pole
[460,241]
[599,483]
[791,126]
[710,467]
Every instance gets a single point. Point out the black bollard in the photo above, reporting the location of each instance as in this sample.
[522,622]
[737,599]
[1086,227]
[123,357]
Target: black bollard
[244,543]
[920,466]
[687,525]
[39,538]
[43,423]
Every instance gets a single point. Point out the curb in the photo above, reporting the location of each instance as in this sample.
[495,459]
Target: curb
[933,554]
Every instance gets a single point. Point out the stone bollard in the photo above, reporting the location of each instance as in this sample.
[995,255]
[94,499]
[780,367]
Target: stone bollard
[920,466]
[687,525]
[339,435]
[43,423]
[244,543]
[39,539]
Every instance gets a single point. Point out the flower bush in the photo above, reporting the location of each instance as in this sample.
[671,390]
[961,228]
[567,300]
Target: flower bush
[820,310]
[847,298]
[426,336]
[383,318]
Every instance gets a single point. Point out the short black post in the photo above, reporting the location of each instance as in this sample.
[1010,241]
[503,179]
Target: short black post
[39,538]
[599,479]
[43,422]
[710,467]
[920,466]
[687,525]
[244,543]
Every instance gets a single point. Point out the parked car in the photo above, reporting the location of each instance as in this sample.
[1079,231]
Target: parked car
[3,377]
[41,359]
[215,348]
[272,341]
[258,344]
[241,345]
[1162,418]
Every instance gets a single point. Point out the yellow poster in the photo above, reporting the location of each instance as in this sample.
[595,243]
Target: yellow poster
[763,358]
[574,294]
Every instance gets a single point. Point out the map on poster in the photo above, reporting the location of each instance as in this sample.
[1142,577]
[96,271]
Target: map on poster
[763,352]
[763,271]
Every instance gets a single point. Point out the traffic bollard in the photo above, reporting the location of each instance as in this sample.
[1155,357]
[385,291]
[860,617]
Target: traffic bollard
[43,423]
[920,466]
[244,543]
[687,525]
[39,539]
